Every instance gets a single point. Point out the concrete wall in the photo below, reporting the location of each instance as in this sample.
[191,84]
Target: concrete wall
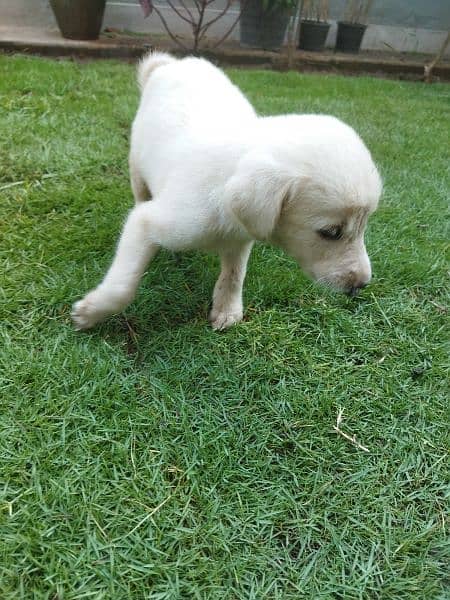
[399,25]
[395,25]
[422,14]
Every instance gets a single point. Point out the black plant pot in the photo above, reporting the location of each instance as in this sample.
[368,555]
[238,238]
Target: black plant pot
[261,28]
[313,35]
[79,19]
[349,36]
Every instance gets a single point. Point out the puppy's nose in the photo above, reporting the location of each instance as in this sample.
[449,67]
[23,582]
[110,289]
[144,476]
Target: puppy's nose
[353,291]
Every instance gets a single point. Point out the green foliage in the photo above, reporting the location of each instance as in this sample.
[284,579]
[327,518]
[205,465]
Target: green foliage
[153,458]
[271,5]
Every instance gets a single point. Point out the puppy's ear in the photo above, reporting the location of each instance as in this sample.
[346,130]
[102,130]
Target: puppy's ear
[257,198]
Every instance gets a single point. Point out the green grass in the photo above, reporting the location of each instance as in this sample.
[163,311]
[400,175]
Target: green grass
[153,458]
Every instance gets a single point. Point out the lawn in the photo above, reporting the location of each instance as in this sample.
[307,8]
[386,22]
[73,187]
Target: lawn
[154,458]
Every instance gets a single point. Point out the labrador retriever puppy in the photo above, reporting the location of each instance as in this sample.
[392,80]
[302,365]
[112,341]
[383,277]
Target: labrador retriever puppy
[208,173]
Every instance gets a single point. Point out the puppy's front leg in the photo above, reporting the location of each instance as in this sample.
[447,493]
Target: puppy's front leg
[227,297]
[118,288]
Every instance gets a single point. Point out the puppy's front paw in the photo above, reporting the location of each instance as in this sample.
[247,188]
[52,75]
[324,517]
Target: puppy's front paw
[224,319]
[85,313]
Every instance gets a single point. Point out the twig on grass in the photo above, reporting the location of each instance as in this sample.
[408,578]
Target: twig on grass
[147,517]
[12,184]
[36,181]
[132,341]
[350,438]
[386,318]
[132,453]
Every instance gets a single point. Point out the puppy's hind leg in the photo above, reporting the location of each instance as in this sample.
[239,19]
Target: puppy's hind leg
[117,290]
[227,306]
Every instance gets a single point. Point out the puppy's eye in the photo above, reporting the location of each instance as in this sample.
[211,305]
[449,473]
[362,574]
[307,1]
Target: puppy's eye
[331,233]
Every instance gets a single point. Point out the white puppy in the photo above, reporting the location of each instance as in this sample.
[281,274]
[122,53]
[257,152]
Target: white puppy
[208,173]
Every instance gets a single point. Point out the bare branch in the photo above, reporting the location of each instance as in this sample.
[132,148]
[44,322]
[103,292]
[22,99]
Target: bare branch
[166,27]
[227,33]
[206,26]
[179,13]
[197,23]
[198,26]
[428,70]
[198,5]
[186,8]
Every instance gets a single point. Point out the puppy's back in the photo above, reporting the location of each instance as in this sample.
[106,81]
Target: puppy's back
[186,105]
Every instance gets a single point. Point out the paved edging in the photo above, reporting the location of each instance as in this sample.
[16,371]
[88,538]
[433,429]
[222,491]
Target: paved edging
[303,61]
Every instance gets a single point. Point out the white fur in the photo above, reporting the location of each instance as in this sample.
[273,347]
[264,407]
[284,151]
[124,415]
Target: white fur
[208,173]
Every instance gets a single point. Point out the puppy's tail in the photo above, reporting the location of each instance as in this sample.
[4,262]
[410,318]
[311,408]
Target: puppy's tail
[149,63]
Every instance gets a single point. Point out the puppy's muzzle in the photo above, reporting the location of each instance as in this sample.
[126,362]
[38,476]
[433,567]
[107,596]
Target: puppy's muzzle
[354,290]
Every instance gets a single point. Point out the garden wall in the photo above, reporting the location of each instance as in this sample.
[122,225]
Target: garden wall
[399,25]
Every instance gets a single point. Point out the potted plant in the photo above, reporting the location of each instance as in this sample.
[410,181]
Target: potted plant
[79,19]
[263,23]
[314,25]
[351,30]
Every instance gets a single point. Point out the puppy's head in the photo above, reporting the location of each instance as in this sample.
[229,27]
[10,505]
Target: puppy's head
[323,229]
[316,197]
